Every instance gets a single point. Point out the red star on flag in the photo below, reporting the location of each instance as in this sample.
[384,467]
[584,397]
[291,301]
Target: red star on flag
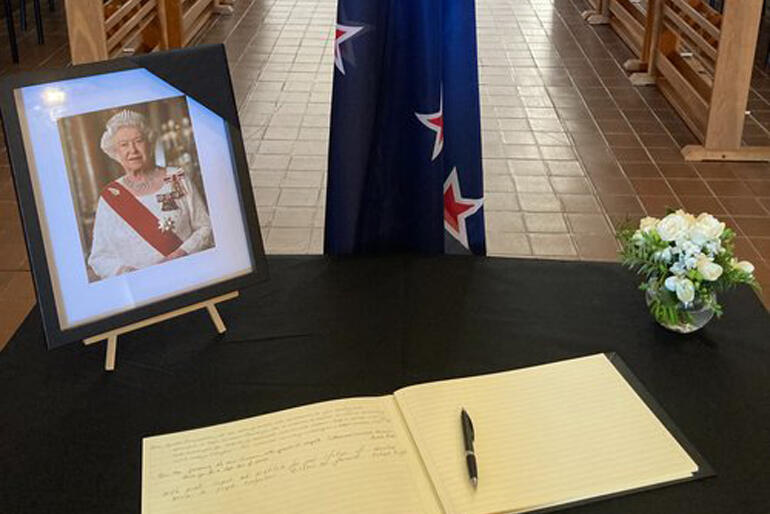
[342,34]
[435,122]
[457,208]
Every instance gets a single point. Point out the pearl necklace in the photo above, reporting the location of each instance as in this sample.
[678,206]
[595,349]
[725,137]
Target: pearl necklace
[142,185]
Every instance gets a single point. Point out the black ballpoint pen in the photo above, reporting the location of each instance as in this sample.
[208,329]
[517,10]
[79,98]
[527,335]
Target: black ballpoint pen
[470,454]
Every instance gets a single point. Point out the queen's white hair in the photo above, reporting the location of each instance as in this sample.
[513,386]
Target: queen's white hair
[125,118]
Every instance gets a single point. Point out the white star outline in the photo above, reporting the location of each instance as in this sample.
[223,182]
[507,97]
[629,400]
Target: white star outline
[453,182]
[348,31]
[425,119]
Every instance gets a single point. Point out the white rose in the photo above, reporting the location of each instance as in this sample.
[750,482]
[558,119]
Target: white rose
[685,290]
[706,228]
[671,283]
[689,218]
[648,224]
[744,266]
[673,227]
[710,270]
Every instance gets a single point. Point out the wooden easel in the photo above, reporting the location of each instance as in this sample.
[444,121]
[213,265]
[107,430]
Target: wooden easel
[112,336]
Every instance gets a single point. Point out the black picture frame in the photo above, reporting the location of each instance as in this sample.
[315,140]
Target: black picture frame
[181,69]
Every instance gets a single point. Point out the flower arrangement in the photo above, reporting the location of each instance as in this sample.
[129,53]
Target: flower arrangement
[685,261]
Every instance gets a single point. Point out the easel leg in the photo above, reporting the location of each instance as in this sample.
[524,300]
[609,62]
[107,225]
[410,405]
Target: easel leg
[112,335]
[112,347]
[216,318]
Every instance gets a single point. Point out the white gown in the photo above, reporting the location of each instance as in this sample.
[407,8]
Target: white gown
[116,244]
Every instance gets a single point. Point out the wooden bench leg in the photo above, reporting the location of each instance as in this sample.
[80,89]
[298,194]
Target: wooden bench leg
[11,31]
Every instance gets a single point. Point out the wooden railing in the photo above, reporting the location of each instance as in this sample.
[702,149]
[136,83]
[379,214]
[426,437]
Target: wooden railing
[702,61]
[100,29]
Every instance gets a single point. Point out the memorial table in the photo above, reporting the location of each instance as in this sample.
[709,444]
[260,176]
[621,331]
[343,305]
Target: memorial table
[70,434]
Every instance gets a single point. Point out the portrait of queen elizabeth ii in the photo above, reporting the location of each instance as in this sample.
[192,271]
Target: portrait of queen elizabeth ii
[149,213]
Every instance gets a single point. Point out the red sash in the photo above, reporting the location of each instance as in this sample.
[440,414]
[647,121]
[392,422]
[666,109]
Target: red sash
[140,218]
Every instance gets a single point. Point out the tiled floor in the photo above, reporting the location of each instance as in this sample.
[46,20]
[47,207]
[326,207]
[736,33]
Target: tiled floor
[570,147]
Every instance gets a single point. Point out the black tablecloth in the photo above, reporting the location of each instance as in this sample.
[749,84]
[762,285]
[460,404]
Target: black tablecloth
[71,433]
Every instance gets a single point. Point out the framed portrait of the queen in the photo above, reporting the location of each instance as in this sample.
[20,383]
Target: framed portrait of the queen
[133,188]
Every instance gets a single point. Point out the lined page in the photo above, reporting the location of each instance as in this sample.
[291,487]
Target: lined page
[342,456]
[545,436]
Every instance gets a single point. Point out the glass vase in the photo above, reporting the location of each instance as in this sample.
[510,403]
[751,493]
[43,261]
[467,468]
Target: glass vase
[700,314]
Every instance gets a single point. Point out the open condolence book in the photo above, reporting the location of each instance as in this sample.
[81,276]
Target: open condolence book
[546,436]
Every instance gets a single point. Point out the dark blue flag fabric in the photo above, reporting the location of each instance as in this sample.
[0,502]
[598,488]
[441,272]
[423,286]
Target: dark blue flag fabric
[405,146]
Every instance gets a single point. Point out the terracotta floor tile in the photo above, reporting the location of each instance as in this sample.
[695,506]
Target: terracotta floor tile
[648,127]
[632,155]
[508,245]
[552,138]
[552,245]
[529,184]
[759,187]
[544,222]
[603,169]
[521,152]
[659,206]
[754,226]
[622,204]
[739,206]
[577,126]
[714,170]
[651,186]
[763,247]
[579,203]
[504,221]
[657,141]
[494,201]
[612,186]
[698,204]
[677,170]
[597,247]
[534,202]
[583,139]
[729,188]
[570,185]
[518,137]
[13,256]
[561,153]
[670,154]
[527,167]
[565,168]
[751,170]
[614,127]
[623,220]
[641,170]
[606,113]
[588,224]
[689,187]
[623,140]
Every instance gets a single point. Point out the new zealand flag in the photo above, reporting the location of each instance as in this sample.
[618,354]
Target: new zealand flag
[405,149]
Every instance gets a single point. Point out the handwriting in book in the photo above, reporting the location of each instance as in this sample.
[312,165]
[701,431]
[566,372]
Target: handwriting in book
[252,452]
